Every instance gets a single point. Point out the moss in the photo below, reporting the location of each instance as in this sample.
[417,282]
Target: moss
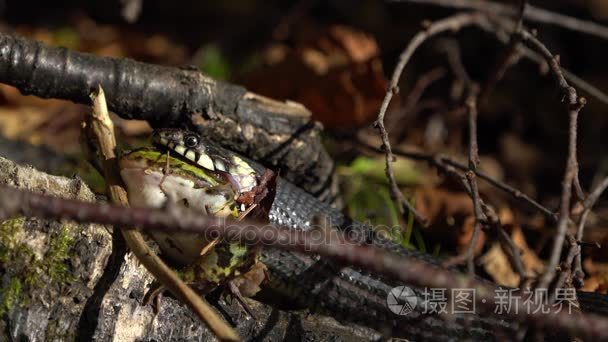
[26,272]
[8,237]
[54,262]
[10,295]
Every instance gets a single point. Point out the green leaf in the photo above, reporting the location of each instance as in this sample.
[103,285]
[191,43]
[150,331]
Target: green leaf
[404,170]
[212,62]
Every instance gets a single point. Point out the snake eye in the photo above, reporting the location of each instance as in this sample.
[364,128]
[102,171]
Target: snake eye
[191,141]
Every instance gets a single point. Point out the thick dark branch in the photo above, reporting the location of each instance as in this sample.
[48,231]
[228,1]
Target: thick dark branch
[273,132]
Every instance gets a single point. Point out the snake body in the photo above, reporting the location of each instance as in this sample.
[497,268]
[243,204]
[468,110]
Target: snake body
[347,293]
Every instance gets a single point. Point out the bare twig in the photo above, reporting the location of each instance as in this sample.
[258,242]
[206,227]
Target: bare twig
[517,194]
[478,219]
[578,274]
[471,105]
[453,23]
[448,166]
[574,105]
[413,98]
[513,251]
[103,130]
[595,194]
[532,13]
[437,160]
[506,38]
[566,268]
[417,273]
[509,56]
[587,206]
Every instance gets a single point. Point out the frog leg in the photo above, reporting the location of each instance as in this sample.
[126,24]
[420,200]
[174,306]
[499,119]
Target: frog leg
[236,293]
[155,294]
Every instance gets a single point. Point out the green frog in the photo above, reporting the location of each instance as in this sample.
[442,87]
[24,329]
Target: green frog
[155,179]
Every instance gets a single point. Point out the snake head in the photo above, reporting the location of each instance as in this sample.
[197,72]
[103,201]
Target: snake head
[198,150]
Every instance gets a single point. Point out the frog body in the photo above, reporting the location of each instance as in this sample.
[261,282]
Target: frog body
[154,179]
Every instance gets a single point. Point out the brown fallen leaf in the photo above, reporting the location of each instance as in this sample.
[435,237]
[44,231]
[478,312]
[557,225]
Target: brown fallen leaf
[450,214]
[336,74]
[597,280]
[496,261]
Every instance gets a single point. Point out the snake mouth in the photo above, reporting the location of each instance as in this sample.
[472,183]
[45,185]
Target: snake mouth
[217,169]
[196,151]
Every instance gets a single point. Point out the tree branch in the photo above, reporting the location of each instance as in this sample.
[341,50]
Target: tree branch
[337,247]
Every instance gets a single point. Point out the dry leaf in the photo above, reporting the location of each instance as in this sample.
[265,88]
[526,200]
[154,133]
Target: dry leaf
[597,280]
[337,75]
[450,215]
[496,263]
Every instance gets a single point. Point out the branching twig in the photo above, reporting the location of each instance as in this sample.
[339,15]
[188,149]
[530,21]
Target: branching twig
[509,56]
[453,23]
[413,98]
[532,13]
[448,166]
[587,206]
[506,38]
[574,105]
[471,105]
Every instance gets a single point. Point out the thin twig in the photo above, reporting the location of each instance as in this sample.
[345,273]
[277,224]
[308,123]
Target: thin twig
[574,105]
[509,57]
[436,160]
[103,129]
[513,251]
[578,274]
[440,163]
[588,204]
[532,13]
[453,23]
[533,56]
[566,268]
[517,194]
[478,219]
[413,98]
[471,105]
[505,38]
[595,194]
[408,270]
